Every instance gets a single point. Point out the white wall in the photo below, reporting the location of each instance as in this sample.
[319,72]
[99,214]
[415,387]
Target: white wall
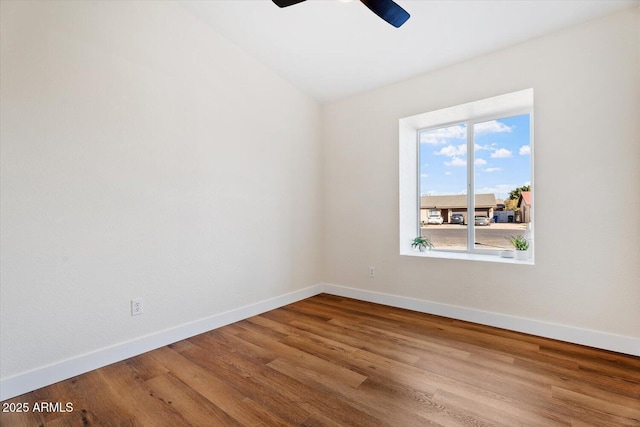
[143,156]
[586,82]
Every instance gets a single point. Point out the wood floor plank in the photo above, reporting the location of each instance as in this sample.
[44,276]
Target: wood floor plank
[501,380]
[319,403]
[357,337]
[405,342]
[146,367]
[394,396]
[377,414]
[624,409]
[94,397]
[255,393]
[306,360]
[141,405]
[207,384]
[196,410]
[18,417]
[494,414]
[334,361]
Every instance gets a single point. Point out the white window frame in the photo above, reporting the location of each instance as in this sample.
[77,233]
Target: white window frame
[511,104]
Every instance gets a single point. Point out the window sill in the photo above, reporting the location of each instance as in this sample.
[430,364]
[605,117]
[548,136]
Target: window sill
[466,256]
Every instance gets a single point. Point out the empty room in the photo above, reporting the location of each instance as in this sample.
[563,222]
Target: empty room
[320,213]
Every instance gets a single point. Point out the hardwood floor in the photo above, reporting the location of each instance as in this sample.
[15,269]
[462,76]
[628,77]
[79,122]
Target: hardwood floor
[332,361]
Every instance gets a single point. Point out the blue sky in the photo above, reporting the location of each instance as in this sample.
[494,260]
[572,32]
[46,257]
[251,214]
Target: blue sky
[502,158]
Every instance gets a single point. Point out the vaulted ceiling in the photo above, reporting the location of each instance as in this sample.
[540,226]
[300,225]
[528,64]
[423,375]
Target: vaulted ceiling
[331,49]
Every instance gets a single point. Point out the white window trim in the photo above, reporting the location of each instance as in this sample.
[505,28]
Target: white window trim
[515,103]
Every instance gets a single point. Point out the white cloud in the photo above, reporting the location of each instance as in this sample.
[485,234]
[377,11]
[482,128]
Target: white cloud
[441,136]
[501,190]
[489,147]
[492,170]
[492,126]
[424,175]
[501,153]
[457,161]
[525,150]
[480,162]
[452,151]
[447,172]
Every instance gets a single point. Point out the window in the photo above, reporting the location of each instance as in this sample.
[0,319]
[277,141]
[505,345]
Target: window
[466,177]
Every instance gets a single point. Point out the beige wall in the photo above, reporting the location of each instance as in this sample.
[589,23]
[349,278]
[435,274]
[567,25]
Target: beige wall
[586,82]
[143,156]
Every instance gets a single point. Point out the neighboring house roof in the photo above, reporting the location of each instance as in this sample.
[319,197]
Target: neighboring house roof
[458,201]
[526,196]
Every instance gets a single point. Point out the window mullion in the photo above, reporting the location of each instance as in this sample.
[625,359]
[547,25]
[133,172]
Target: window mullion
[418,196]
[471,203]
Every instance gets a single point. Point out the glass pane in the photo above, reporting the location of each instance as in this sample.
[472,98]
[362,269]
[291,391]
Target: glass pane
[443,186]
[502,152]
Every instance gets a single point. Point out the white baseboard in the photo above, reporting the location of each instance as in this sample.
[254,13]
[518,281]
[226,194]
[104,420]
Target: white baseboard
[42,377]
[591,338]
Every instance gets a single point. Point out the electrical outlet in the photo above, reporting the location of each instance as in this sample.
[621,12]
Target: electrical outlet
[372,272]
[136,306]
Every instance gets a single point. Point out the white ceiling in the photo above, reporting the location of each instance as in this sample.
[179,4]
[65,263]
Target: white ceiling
[332,49]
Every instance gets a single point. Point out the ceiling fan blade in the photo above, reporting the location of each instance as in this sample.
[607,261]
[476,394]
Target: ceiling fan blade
[285,3]
[388,10]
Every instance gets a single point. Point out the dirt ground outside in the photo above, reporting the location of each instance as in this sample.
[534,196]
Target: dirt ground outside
[454,236]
